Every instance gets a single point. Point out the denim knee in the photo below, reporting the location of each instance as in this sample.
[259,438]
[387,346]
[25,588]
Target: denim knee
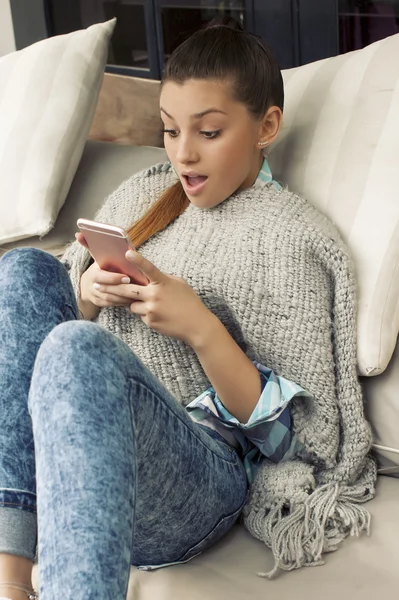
[78,343]
[79,335]
[85,355]
[87,338]
[72,338]
[34,256]
[31,266]
[37,277]
[85,360]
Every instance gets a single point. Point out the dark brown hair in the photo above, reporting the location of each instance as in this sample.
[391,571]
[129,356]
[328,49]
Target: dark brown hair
[220,51]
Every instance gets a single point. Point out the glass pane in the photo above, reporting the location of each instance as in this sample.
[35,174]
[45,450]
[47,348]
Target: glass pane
[129,42]
[362,22]
[128,46]
[180,18]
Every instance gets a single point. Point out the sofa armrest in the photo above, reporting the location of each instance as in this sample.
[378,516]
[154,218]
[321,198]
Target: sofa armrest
[382,410]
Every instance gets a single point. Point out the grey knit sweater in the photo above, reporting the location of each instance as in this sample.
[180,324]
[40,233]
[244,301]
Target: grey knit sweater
[277,274]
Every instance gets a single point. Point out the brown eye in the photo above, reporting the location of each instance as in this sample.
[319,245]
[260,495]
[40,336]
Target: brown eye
[171,132]
[211,135]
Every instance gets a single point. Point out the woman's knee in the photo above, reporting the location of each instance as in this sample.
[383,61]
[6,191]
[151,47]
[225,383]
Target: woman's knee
[73,337]
[29,263]
[79,361]
[82,345]
[38,281]
[68,358]
[28,254]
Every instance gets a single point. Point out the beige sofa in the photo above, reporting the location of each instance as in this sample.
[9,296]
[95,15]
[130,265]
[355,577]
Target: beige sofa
[362,569]
[339,148]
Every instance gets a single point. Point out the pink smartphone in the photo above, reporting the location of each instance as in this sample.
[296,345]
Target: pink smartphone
[108,245]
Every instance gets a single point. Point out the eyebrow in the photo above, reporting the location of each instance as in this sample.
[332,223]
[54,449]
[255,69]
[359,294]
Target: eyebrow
[198,115]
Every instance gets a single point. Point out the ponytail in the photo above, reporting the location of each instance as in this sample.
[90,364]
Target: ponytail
[171,204]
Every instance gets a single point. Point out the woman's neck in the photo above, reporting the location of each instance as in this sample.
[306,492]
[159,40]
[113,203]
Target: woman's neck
[253,174]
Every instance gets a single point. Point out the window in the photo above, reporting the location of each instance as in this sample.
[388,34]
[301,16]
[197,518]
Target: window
[362,22]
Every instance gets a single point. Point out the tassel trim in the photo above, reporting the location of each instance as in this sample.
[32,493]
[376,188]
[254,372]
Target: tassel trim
[316,526]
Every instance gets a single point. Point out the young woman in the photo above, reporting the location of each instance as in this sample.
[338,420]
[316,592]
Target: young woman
[134,439]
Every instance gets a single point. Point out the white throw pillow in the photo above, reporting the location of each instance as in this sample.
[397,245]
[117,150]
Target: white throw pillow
[48,96]
[339,147]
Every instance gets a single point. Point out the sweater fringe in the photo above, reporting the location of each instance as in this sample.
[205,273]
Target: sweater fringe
[299,533]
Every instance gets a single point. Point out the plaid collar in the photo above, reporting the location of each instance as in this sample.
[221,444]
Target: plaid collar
[265,176]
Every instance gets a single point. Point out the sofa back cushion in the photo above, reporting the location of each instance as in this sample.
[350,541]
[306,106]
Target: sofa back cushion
[339,148]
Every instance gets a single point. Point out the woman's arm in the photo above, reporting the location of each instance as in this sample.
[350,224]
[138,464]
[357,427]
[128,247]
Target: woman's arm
[234,377]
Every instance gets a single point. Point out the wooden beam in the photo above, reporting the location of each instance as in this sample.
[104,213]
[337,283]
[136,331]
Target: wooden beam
[128,112]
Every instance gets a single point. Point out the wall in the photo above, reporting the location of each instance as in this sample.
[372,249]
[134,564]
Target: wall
[7,39]
[29,20]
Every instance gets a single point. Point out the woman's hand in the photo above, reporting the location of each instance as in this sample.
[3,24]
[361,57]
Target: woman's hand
[167,304]
[93,283]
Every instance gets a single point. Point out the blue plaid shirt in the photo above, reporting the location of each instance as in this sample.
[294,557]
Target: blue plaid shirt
[267,432]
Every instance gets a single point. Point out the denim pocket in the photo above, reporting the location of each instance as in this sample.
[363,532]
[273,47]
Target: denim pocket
[219,530]
[222,448]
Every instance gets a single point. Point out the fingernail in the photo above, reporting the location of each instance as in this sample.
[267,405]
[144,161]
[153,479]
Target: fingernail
[125,280]
[96,286]
[130,254]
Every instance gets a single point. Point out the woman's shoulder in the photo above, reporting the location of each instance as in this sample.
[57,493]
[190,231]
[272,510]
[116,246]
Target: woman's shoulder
[312,223]
[302,223]
[321,238]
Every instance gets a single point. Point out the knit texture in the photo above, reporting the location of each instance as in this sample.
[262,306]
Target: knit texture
[278,275]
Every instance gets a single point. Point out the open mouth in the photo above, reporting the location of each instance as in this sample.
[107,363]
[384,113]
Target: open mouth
[194,185]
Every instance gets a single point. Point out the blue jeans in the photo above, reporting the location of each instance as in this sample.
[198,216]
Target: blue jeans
[100,467]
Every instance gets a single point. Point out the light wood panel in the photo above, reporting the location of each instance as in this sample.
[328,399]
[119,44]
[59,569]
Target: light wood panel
[128,112]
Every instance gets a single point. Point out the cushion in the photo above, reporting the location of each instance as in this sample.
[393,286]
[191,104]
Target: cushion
[48,96]
[103,167]
[339,147]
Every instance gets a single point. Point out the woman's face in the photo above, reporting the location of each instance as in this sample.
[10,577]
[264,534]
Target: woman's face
[211,140]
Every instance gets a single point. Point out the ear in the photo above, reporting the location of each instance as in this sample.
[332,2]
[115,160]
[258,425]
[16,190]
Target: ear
[270,125]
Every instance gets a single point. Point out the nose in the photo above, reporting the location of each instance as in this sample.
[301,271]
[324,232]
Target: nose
[186,151]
